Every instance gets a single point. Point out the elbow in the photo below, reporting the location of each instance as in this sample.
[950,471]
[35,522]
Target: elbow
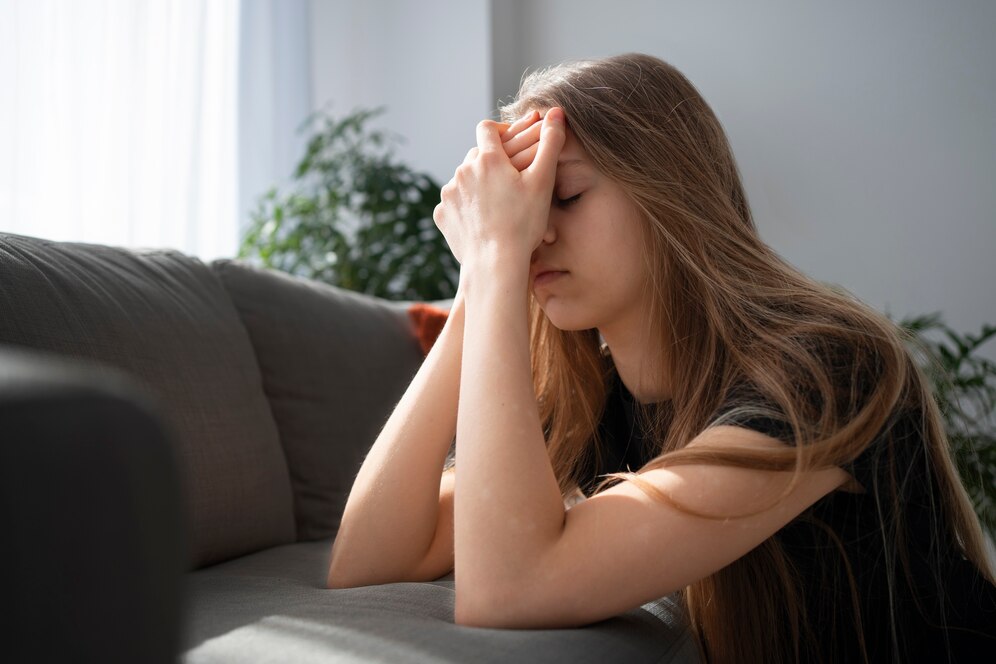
[344,574]
[335,580]
[493,610]
[469,614]
[341,576]
[516,606]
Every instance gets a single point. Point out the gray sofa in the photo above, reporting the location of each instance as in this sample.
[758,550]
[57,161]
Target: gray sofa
[179,440]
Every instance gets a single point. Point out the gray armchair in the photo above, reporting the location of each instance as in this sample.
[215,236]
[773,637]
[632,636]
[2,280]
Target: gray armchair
[93,552]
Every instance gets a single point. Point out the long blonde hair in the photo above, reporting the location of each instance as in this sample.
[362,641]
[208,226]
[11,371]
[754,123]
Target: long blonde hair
[730,312]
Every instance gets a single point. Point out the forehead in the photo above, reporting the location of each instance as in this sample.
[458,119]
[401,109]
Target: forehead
[572,157]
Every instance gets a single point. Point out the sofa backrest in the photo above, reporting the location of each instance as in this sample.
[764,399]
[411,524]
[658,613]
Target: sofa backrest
[166,319]
[334,365]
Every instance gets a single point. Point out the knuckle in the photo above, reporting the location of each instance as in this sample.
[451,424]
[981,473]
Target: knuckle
[490,158]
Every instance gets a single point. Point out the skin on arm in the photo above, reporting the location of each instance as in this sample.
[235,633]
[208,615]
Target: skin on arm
[621,548]
[508,508]
[438,559]
[393,507]
[522,561]
[377,542]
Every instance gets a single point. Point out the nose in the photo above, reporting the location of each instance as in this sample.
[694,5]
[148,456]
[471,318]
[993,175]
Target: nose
[550,234]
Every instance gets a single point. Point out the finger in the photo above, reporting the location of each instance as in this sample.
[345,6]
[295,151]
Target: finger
[522,160]
[552,138]
[471,155]
[524,139]
[487,136]
[447,189]
[525,121]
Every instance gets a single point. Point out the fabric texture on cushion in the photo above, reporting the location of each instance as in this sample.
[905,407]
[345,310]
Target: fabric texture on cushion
[164,319]
[272,606]
[334,363]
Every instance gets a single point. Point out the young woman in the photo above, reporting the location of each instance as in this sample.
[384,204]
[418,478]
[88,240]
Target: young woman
[652,401]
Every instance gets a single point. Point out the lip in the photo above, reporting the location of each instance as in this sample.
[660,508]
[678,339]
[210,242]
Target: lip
[548,276]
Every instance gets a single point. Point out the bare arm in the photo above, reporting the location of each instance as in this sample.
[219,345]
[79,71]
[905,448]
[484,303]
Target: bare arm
[392,510]
[398,521]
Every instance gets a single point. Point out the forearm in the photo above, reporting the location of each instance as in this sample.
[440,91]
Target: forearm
[390,516]
[508,505]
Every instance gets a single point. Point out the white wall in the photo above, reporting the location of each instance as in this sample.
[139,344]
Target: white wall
[865,132]
[428,62]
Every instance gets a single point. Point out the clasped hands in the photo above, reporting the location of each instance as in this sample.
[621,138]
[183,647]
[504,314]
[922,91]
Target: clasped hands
[495,209]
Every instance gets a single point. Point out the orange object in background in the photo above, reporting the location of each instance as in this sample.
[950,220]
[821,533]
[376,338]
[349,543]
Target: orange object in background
[428,320]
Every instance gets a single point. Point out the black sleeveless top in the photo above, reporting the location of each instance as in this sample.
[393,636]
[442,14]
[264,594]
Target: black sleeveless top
[962,600]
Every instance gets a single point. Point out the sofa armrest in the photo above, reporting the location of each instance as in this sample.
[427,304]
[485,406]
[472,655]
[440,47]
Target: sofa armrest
[94,538]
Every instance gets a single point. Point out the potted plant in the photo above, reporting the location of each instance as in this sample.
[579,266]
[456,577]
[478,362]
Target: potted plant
[964,384]
[354,217]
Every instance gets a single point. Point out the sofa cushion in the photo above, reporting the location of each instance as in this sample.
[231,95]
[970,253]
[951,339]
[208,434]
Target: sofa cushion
[272,606]
[428,321]
[165,319]
[334,363]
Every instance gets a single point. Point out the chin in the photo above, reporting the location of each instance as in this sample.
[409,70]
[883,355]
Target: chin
[565,318]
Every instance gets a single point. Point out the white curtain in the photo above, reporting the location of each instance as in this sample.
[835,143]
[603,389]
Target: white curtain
[119,122]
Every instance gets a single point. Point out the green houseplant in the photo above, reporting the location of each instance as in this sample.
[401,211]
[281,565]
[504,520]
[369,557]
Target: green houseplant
[354,217]
[964,384]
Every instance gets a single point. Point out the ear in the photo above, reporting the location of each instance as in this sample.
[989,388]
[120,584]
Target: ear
[428,321]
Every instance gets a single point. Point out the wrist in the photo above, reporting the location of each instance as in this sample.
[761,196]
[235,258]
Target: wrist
[459,306]
[493,281]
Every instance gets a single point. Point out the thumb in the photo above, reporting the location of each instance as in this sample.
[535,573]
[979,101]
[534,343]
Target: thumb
[552,137]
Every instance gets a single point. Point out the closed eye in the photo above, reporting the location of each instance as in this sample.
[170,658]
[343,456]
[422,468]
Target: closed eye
[565,202]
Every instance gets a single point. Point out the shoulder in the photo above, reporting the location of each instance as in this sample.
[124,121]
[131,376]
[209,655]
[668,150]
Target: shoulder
[745,406]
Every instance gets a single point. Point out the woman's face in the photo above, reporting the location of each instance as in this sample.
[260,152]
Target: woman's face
[593,234]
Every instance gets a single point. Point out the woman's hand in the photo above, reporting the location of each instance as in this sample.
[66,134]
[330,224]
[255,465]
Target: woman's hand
[492,211]
[521,139]
[521,151]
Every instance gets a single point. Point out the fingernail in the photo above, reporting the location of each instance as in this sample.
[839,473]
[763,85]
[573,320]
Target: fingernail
[556,115]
